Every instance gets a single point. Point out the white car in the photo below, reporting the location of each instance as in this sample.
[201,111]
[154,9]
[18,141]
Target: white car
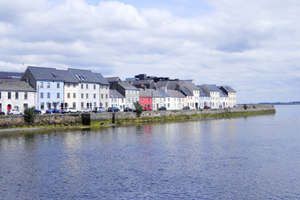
[86,110]
[69,110]
[14,112]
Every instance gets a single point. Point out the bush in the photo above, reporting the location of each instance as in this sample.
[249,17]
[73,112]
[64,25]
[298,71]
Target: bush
[138,107]
[29,115]
[245,106]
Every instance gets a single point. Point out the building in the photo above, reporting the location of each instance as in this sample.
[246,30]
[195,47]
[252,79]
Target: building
[214,94]
[117,100]
[49,86]
[17,95]
[145,98]
[204,97]
[231,93]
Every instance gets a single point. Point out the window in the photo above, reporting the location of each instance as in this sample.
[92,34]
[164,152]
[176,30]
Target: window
[142,99]
[48,85]
[42,106]
[81,86]
[87,86]
[17,95]
[122,100]
[58,95]
[74,84]
[94,96]
[94,87]
[0,95]
[101,96]
[168,105]
[82,95]
[42,95]
[25,95]
[9,95]
[68,95]
[128,99]
[95,104]
[106,104]
[68,85]
[87,95]
[58,85]
[48,95]
[81,105]
[74,104]
[25,106]
[41,85]
[74,95]
[132,100]
[106,96]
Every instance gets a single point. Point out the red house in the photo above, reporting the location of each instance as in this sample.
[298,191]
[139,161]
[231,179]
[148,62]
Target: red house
[145,99]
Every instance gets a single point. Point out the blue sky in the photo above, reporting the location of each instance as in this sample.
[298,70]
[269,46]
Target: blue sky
[252,46]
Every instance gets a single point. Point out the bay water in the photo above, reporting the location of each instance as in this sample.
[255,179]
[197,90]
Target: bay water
[253,157]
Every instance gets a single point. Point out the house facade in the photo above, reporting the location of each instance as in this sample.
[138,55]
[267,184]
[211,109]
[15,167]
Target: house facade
[117,100]
[17,95]
[214,94]
[231,93]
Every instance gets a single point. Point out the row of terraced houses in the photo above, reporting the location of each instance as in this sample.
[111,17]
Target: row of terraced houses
[51,88]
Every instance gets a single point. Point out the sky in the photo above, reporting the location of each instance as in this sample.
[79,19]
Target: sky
[252,46]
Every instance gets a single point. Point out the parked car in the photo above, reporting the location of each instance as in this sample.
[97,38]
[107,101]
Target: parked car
[206,107]
[36,111]
[2,113]
[99,110]
[186,108]
[52,111]
[162,108]
[128,109]
[147,109]
[69,110]
[14,112]
[86,110]
[113,109]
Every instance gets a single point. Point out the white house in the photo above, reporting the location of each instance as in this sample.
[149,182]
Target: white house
[17,95]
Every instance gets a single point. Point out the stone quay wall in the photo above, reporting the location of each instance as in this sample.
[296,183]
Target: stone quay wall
[108,118]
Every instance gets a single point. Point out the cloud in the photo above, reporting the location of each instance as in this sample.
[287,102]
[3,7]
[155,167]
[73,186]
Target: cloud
[252,46]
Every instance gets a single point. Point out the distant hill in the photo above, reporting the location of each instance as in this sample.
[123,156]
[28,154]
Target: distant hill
[280,103]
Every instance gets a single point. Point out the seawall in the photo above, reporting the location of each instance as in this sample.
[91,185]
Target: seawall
[100,119]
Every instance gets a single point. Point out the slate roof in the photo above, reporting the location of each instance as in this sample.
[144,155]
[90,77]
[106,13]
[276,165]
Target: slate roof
[144,93]
[15,86]
[45,73]
[161,83]
[11,76]
[203,93]
[115,94]
[171,85]
[191,84]
[223,94]
[175,93]
[185,91]
[139,83]
[86,76]
[113,79]
[227,88]
[154,93]
[101,79]
[128,86]
[163,93]
[67,76]
[212,87]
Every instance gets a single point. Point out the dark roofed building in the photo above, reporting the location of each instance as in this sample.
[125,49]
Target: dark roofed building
[11,76]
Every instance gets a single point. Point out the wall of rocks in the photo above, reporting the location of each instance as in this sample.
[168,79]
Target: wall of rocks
[90,118]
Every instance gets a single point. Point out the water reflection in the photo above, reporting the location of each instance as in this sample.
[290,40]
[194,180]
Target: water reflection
[226,158]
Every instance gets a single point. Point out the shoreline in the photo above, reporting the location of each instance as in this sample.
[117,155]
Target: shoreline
[134,121]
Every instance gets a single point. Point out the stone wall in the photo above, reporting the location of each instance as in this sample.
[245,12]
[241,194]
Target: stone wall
[106,118]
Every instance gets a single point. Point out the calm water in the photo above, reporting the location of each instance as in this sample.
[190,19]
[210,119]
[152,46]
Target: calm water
[256,157]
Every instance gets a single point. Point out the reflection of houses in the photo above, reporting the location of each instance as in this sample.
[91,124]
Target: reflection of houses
[49,86]
[16,95]
[116,99]
[204,98]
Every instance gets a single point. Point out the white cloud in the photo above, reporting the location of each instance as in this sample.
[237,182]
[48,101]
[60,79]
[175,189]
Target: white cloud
[252,46]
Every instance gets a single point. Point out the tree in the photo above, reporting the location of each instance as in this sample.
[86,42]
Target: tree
[138,107]
[29,115]
[245,106]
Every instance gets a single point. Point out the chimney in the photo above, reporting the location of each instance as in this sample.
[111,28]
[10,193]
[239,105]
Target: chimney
[178,87]
[143,86]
